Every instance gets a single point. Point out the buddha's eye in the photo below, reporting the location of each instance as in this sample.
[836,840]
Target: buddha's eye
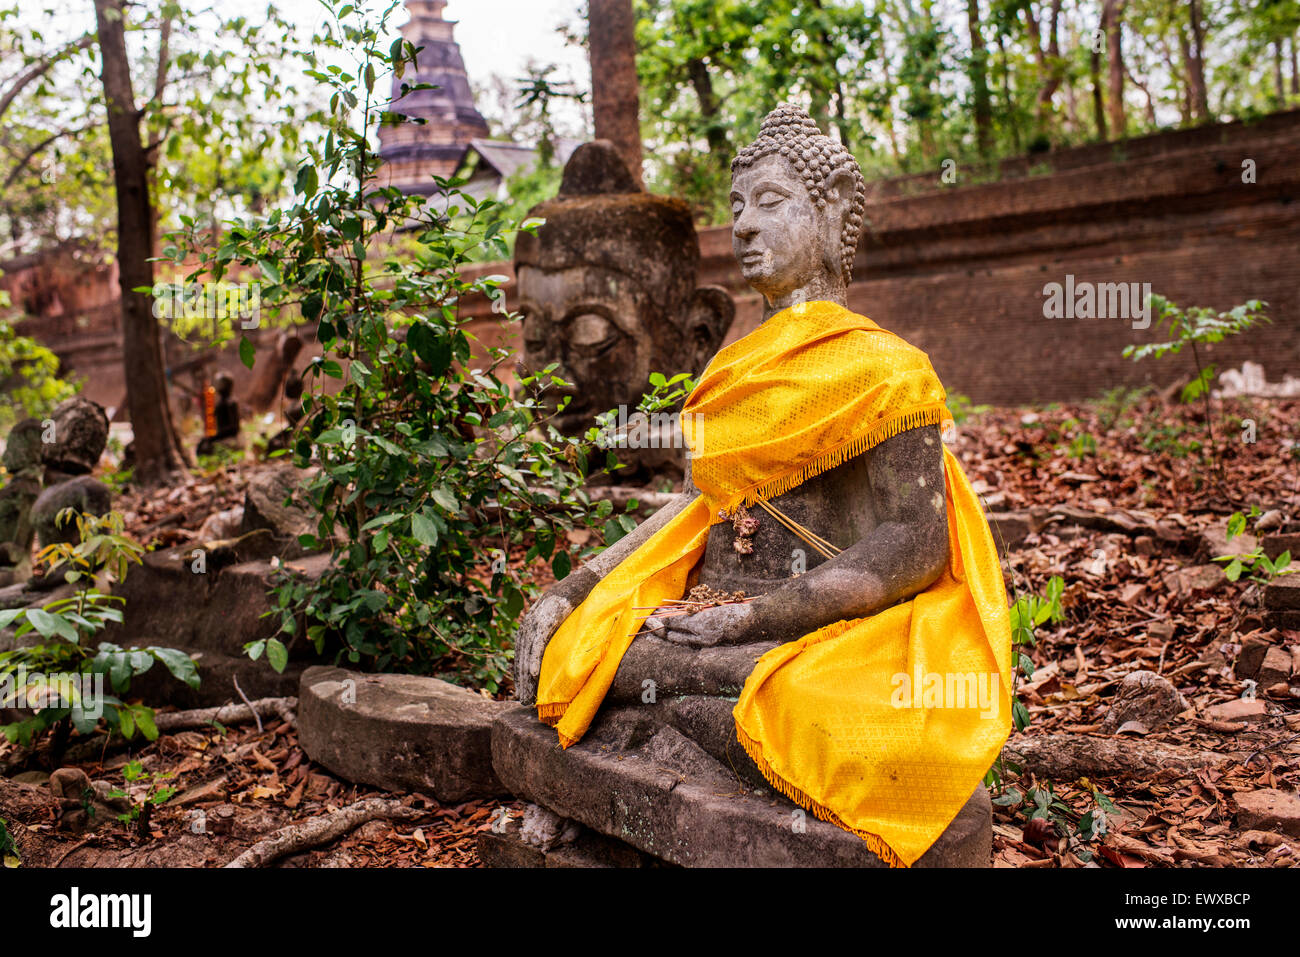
[769,199]
[737,207]
[534,327]
[589,329]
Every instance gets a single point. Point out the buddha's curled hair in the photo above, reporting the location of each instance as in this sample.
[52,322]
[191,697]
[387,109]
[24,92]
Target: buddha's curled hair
[789,131]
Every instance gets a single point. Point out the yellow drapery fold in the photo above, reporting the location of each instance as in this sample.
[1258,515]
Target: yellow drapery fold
[883,725]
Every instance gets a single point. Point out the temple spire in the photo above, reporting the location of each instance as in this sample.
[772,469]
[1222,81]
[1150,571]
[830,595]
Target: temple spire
[413,152]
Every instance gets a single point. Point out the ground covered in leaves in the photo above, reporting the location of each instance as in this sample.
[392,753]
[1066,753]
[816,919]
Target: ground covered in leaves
[1121,499]
[233,787]
[1140,514]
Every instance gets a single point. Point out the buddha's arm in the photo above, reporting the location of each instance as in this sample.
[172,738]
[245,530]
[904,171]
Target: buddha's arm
[541,620]
[905,552]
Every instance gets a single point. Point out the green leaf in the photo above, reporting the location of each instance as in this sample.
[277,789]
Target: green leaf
[271,271]
[180,665]
[247,351]
[445,499]
[144,721]
[307,181]
[425,532]
[50,625]
[277,654]
[561,564]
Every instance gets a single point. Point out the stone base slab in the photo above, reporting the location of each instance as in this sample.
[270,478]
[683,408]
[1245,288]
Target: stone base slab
[644,783]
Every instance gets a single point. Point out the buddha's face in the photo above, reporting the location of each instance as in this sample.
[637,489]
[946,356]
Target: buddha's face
[778,235]
[602,329]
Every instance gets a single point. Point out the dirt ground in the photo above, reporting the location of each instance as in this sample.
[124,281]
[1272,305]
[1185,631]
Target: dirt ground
[1140,593]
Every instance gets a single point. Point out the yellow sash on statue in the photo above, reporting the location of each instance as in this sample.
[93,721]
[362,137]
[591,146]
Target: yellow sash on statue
[882,725]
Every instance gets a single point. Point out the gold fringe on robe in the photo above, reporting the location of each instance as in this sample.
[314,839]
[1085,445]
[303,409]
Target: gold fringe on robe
[882,725]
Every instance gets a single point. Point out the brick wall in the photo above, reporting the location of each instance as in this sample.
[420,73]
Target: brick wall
[960,270]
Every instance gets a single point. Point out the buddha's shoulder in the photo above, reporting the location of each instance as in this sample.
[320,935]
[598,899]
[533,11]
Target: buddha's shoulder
[875,340]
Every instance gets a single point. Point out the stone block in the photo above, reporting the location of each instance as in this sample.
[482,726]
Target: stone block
[1268,810]
[399,732]
[648,785]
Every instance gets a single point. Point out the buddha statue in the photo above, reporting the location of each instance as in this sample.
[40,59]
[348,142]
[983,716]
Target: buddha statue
[225,414]
[22,462]
[607,290]
[842,537]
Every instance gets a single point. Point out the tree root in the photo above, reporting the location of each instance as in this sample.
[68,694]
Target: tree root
[296,838]
[227,714]
[1065,757]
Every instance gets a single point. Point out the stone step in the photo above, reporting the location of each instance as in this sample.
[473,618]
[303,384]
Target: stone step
[506,847]
[399,732]
[655,789]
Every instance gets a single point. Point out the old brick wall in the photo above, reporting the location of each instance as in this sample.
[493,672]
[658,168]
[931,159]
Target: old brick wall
[959,270]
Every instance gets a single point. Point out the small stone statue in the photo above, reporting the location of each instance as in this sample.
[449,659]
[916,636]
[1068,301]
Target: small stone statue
[22,460]
[819,489]
[225,414]
[607,291]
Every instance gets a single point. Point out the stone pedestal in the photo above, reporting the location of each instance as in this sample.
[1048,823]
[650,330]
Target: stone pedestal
[399,732]
[642,782]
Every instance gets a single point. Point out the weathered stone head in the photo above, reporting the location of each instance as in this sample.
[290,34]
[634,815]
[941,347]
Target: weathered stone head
[797,197]
[23,446]
[22,460]
[80,433]
[607,288]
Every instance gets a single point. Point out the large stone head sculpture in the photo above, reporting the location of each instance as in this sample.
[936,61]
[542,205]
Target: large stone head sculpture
[797,197]
[607,288]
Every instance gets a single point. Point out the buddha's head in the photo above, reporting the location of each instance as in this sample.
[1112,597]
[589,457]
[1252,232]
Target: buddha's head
[797,197]
[607,288]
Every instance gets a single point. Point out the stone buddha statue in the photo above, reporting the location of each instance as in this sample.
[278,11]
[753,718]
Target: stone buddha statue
[857,535]
[795,234]
[607,289]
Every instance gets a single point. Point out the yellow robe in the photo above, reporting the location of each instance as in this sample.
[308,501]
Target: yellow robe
[882,725]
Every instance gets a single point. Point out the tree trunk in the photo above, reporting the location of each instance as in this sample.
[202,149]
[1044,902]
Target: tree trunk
[979,80]
[1277,72]
[1094,70]
[714,130]
[615,96]
[157,453]
[1196,88]
[1008,98]
[842,117]
[1295,74]
[1048,57]
[1113,12]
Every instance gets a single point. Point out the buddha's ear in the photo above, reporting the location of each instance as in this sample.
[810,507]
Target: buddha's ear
[708,318]
[839,187]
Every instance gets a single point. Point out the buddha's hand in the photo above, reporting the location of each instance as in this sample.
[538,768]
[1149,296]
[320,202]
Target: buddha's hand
[720,625]
[535,632]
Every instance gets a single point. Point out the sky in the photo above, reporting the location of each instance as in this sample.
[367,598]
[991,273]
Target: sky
[495,36]
[500,36]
